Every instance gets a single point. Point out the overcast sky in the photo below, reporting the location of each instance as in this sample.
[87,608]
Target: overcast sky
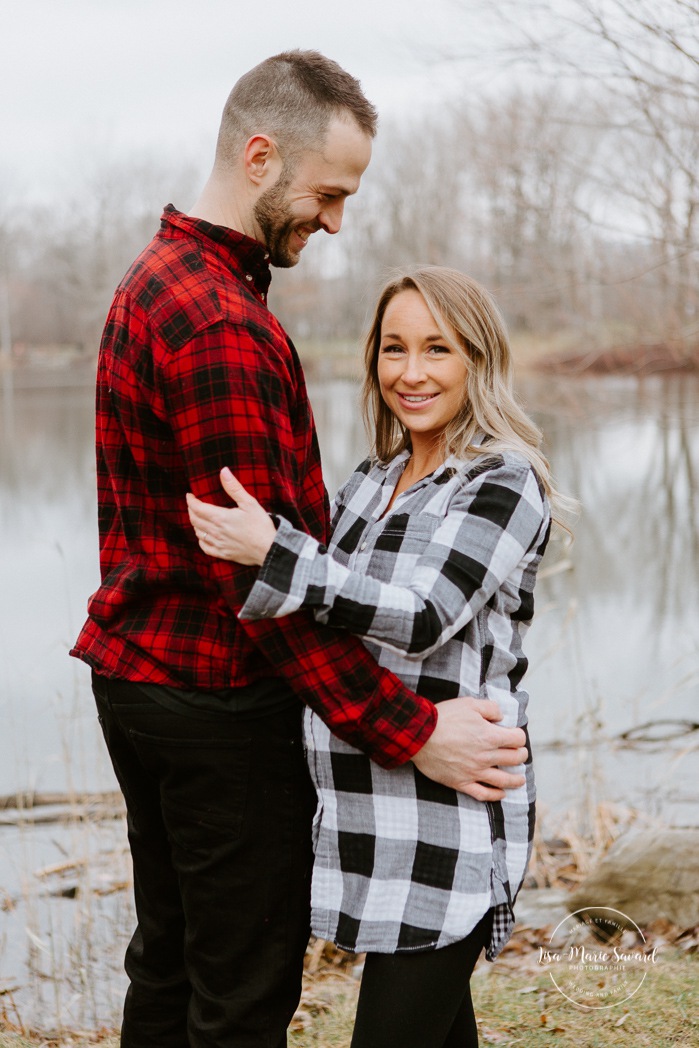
[89,79]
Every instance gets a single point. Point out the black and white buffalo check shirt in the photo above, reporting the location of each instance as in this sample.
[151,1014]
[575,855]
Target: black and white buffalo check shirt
[441,591]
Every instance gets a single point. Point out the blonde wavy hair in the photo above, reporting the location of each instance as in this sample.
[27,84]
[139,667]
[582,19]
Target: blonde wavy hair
[471,323]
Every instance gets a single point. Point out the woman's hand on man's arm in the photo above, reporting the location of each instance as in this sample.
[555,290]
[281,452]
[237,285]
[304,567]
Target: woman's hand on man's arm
[243,534]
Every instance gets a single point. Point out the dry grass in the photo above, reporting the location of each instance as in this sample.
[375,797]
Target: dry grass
[515,999]
[568,352]
[516,1006]
[569,851]
[526,1009]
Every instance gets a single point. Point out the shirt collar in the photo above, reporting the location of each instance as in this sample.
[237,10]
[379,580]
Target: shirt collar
[395,467]
[248,258]
[452,464]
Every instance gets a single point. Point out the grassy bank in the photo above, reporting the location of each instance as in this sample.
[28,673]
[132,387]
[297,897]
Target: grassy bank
[519,1006]
[516,1006]
[565,352]
[530,1011]
[516,1000]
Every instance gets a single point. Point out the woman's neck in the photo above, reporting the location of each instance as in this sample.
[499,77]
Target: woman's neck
[424,459]
[418,466]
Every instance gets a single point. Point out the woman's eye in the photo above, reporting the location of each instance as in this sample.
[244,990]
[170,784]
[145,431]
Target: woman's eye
[391,349]
[440,349]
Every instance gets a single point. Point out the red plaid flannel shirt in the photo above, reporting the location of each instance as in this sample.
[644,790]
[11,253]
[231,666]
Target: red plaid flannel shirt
[195,373]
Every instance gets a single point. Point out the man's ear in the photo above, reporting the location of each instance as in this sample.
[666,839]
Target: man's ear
[263,163]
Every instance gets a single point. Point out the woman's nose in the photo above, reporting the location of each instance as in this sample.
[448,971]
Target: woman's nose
[414,369]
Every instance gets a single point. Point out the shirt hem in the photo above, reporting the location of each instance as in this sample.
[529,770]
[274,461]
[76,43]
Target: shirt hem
[491,951]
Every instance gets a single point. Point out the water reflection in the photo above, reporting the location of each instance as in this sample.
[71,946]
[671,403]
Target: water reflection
[631,451]
[629,653]
[48,565]
[615,640]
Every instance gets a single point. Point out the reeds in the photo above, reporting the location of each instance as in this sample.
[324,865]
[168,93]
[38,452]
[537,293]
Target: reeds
[65,922]
[65,929]
[566,852]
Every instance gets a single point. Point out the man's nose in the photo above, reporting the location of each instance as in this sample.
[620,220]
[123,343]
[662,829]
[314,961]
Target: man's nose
[330,217]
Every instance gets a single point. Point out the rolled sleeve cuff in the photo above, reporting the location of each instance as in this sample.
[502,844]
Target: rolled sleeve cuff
[273,593]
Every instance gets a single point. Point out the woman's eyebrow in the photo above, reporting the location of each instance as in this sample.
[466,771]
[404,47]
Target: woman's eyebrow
[428,338]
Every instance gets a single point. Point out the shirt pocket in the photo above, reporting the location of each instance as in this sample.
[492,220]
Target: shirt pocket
[399,544]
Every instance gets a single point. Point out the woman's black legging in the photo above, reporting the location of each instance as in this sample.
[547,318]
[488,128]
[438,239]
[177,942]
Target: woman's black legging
[420,1000]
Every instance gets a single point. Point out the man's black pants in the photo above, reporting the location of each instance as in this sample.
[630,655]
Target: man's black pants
[219,819]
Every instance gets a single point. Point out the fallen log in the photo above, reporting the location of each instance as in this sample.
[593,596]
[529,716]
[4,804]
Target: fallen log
[27,799]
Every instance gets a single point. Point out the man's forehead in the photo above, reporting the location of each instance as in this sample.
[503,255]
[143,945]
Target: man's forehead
[343,131]
[341,160]
[336,182]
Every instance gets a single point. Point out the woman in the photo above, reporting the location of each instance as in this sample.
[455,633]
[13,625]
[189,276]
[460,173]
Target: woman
[436,543]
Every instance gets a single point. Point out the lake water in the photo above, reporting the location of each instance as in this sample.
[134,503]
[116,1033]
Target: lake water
[614,647]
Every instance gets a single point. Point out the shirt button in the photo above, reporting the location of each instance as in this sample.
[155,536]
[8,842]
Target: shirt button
[362,547]
[248,276]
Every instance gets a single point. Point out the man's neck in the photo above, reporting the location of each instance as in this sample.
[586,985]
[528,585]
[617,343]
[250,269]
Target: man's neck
[216,204]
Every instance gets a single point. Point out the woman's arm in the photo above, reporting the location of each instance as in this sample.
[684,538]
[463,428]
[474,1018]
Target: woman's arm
[492,523]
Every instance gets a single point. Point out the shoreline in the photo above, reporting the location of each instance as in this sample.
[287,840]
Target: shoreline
[78,916]
[558,355]
[512,997]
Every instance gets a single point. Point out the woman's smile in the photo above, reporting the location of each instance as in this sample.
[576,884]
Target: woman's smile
[413,400]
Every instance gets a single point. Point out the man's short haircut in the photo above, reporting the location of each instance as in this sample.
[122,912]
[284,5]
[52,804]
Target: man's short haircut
[292,97]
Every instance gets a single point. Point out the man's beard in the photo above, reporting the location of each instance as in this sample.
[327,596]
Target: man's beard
[276,221]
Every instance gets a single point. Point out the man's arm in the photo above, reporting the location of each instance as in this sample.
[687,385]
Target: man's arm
[232,401]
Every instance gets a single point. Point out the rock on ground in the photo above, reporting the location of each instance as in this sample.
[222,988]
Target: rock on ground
[647,875]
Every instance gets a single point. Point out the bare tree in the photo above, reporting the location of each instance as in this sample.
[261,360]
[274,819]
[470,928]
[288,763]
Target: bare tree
[642,59]
[75,253]
[643,48]
[529,201]
[9,246]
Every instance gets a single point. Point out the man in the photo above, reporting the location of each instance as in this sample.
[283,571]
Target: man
[200,711]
